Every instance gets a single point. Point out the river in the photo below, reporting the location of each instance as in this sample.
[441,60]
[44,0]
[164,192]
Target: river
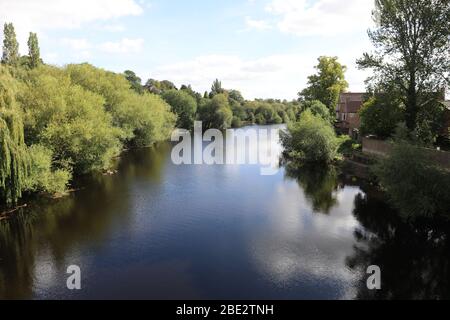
[156,230]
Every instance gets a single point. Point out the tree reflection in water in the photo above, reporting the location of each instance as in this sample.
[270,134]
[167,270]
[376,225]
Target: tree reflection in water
[320,184]
[413,257]
[42,235]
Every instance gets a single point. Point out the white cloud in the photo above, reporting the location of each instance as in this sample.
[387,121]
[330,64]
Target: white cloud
[83,47]
[76,44]
[124,46]
[275,76]
[43,15]
[321,17]
[257,24]
[50,14]
[113,28]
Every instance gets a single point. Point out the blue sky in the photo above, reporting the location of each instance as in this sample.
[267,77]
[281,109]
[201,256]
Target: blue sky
[265,48]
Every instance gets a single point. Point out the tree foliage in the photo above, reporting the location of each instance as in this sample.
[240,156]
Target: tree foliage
[13,157]
[55,122]
[409,170]
[412,41]
[327,84]
[134,80]
[183,105]
[216,88]
[10,45]
[216,112]
[34,54]
[311,140]
[380,115]
[317,108]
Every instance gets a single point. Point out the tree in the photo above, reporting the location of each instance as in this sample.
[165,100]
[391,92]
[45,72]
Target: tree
[183,105]
[41,176]
[327,84]
[412,39]
[318,109]
[13,158]
[188,89]
[311,140]
[33,50]
[10,45]
[158,87]
[142,119]
[216,113]
[381,114]
[216,88]
[135,81]
[236,96]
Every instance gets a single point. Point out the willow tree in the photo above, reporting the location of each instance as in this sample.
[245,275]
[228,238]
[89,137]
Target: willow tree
[13,155]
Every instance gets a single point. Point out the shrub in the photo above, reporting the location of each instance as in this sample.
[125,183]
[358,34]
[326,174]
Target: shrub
[414,183]
[311,140]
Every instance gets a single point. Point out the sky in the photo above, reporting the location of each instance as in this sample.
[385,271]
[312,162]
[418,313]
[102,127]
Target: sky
[264,48]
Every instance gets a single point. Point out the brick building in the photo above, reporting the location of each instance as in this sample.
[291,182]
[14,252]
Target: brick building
[348,120]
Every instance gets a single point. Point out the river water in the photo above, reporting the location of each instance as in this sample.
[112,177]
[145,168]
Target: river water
[156,230]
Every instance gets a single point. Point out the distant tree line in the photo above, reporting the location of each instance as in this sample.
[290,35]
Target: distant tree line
[220,108]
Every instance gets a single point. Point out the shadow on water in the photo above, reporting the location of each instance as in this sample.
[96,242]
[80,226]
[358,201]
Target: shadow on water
[414,257]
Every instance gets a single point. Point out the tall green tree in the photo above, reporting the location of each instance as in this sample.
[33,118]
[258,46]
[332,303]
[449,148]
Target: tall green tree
[327,84]
[216,88]
[33,50]
[135,81]
[412,41]
[10,45]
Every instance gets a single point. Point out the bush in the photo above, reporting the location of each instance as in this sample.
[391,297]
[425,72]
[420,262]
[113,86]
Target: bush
[414,183]
[319,109]
[311,140]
